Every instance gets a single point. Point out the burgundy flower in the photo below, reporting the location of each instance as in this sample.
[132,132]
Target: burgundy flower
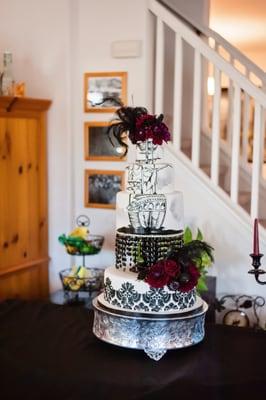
[145,121]
[157,276]
[193,275]
[150,127]
[174,286]
[160,133]
[171,268]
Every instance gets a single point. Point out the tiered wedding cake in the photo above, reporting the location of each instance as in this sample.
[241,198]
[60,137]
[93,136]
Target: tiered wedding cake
[155,275]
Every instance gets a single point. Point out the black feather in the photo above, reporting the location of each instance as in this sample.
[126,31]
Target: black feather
[190,251]
[124,123]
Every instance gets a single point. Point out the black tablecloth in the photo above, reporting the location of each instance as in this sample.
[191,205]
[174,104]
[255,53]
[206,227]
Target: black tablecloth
[48,351]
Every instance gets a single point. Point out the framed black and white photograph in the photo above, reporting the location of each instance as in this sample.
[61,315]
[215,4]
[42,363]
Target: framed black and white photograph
[102,85]
[101,187]
[97,144]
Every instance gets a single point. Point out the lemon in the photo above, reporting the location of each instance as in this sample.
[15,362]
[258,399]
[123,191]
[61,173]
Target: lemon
[80,231]
[74,285]
[82,273]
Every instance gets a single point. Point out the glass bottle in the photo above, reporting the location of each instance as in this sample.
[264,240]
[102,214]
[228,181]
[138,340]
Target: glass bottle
[7,78]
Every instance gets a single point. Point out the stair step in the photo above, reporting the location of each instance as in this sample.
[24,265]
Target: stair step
[186,143]
[243,197]
[262,222]
[186,150]
[207,169]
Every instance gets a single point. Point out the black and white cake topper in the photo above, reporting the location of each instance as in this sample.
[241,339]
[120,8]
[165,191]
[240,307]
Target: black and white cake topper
[146,208]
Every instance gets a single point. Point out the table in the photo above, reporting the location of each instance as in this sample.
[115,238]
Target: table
[84,298]
[48,351]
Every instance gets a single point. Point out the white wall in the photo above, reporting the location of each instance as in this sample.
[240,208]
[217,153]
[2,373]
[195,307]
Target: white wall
[37,33]
[97,24]
[53,43]
[195,10]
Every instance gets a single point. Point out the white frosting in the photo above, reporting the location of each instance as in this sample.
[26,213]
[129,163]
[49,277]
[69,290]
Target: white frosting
[118,277]
[174,218]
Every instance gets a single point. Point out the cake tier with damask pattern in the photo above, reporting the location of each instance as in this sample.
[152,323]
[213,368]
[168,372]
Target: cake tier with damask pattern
[123,290]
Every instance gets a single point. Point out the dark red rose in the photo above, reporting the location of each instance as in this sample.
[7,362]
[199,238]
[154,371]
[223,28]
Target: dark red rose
[160,133]
[157,276]
[171,268]
[150,127]
[174,285]
[193,276]
[145,121]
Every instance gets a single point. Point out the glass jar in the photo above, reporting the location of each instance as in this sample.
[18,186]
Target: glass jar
[7,77]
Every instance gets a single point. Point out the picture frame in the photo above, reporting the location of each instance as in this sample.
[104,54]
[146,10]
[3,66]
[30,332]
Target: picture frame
[101,187]
[99,85]
[97,145]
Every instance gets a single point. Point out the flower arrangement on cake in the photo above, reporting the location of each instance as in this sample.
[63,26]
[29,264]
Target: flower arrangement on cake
[182,269]
[139,126]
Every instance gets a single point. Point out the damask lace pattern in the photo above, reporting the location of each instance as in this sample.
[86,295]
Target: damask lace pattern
[153,300]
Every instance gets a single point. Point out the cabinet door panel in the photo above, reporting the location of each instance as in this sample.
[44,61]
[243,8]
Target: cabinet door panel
[16,195]
[4,153]
[23,198]
[30,283]
[34,182]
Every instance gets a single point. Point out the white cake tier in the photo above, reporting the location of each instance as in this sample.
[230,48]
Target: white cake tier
[174,217]
[123,290]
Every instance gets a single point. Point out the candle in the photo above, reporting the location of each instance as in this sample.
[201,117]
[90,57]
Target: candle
[256,249]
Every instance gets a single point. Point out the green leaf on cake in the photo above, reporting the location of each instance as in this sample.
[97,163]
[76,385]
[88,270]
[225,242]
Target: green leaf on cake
[187,237]
[201,286]
[199,235]
[139,256]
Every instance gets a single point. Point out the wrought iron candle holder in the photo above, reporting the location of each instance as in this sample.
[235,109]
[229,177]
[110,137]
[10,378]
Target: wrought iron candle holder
[256,255]
[257,271]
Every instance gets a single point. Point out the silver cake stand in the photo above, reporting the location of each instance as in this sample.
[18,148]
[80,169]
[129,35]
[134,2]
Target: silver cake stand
[152,333]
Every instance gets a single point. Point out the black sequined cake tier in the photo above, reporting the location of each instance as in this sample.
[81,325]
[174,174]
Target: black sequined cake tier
[152,247]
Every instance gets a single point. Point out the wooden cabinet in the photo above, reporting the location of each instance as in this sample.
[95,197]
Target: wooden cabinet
[23,198]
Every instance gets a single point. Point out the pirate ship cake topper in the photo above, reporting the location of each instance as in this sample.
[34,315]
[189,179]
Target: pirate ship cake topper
[146,208]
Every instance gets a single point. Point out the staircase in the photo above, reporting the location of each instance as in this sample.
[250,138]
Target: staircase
[221,133]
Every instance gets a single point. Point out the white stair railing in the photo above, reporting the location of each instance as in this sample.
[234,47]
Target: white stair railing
[246,83]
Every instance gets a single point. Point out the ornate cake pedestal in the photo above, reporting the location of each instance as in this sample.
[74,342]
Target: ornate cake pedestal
[152,333]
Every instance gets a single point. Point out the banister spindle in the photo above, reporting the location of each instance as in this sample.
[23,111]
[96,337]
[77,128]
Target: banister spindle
[235,144]
[196,113]
[256,162]
[216,127]
[178,86]
[230,107]
[159,66]
[246,121]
